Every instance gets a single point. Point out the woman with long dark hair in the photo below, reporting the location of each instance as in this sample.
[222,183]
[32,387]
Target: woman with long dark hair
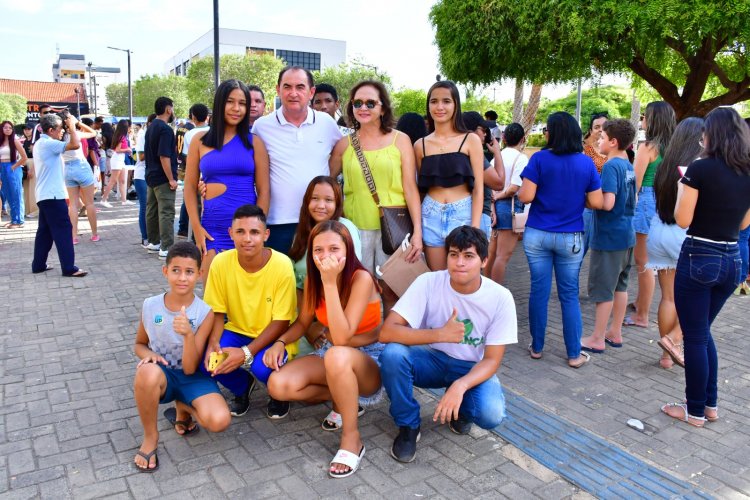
[234,166]
[118,173]
[713,202]
[559,182]
[12,158]
[665,237]
[659,123]
[344,297]
[451,168]
[390,156]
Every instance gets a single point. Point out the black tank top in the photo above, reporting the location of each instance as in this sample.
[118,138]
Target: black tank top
[445,170]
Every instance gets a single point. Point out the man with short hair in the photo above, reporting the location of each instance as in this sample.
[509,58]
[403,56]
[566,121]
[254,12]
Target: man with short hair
[44,110]
[257,103]
[161,178]
[448,330]
[252,292]
[299,141]
[491,117]
[52,196]
[326,99]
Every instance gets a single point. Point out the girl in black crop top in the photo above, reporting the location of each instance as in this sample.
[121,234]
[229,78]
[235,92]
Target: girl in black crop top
[450,166]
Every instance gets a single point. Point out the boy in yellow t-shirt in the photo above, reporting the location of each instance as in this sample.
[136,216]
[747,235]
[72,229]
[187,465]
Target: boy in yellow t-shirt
[253,287]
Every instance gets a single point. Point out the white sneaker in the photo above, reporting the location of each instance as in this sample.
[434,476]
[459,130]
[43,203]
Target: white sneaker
[163,254]
[106,204]
[128,202]
[153,248]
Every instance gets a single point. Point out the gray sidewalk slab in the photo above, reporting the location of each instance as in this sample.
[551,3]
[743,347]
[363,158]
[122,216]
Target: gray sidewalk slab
[69,427]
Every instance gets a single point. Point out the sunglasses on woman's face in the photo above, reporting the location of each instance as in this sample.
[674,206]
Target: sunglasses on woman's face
[370,103]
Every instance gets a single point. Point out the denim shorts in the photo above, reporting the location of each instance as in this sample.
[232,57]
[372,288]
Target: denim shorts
[664,244]
[78,174]
[644,210]
[439,219]
[372,350]
[503,217]
[485,224]
[186,388]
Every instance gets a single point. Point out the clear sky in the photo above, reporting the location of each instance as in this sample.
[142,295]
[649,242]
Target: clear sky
[394,35]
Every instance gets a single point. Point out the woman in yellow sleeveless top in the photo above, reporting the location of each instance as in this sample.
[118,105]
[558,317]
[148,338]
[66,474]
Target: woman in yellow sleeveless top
[390,157]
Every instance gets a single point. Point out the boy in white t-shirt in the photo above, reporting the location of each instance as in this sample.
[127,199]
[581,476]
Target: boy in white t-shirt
[448,330]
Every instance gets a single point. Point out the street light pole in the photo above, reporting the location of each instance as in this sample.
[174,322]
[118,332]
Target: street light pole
[216,44]
[130,85]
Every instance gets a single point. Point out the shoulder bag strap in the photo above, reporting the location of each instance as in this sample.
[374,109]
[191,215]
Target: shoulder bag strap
[513,198]
[354,137]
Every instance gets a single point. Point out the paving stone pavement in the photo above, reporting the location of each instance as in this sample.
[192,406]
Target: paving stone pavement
[69,426]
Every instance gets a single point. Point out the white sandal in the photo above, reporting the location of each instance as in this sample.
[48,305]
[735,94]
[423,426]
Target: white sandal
[685,417]
[349,459]
[333,422]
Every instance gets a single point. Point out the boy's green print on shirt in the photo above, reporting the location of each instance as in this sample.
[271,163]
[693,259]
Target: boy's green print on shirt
[468,329]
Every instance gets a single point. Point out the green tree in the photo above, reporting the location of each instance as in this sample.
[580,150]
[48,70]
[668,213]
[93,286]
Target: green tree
[693,53]
[614,100]
[117,98]
[408,101]
[13,108]
[150,87]
[256,69]
[344,76]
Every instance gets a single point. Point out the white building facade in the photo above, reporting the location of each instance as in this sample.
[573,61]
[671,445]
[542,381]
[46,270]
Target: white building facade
[310,53]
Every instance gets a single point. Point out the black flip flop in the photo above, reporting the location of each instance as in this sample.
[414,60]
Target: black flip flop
[147,457]
[171,415]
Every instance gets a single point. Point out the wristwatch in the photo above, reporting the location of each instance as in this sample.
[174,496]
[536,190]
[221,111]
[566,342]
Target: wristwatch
[248,357]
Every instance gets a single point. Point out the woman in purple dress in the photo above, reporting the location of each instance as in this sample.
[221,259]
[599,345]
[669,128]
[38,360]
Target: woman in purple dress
[234,166]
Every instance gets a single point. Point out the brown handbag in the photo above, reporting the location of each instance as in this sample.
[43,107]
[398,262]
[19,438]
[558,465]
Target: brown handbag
[395,222]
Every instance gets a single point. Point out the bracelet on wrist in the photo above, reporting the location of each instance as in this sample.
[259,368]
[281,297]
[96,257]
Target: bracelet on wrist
[279,340]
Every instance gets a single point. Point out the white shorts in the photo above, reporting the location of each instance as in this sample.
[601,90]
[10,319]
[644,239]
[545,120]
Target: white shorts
[372,249]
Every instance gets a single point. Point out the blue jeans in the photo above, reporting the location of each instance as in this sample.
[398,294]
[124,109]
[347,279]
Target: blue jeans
[706,276]
[745,251]
[239,380]
[141,189]
[588,215]
[561,253]
[281,237]
[13,190]
[403,367]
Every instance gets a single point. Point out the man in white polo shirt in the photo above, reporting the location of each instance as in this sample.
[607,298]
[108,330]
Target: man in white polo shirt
[299,141]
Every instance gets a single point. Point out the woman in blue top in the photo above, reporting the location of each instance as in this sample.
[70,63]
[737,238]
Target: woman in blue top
[234,166]
[559,182]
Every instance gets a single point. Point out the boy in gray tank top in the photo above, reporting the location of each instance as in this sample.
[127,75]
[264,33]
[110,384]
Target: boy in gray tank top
[170,343]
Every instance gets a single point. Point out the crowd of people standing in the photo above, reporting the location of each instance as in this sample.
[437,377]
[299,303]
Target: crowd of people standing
[286,211]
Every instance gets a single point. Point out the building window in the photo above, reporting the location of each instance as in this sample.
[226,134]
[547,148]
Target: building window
[184,68]
[178,70]
[308,60]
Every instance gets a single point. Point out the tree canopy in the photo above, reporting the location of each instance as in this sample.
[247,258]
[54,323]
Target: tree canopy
[13,108]
[693,53]
[253,69]
[146,90]
[346,75]
[616,101]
